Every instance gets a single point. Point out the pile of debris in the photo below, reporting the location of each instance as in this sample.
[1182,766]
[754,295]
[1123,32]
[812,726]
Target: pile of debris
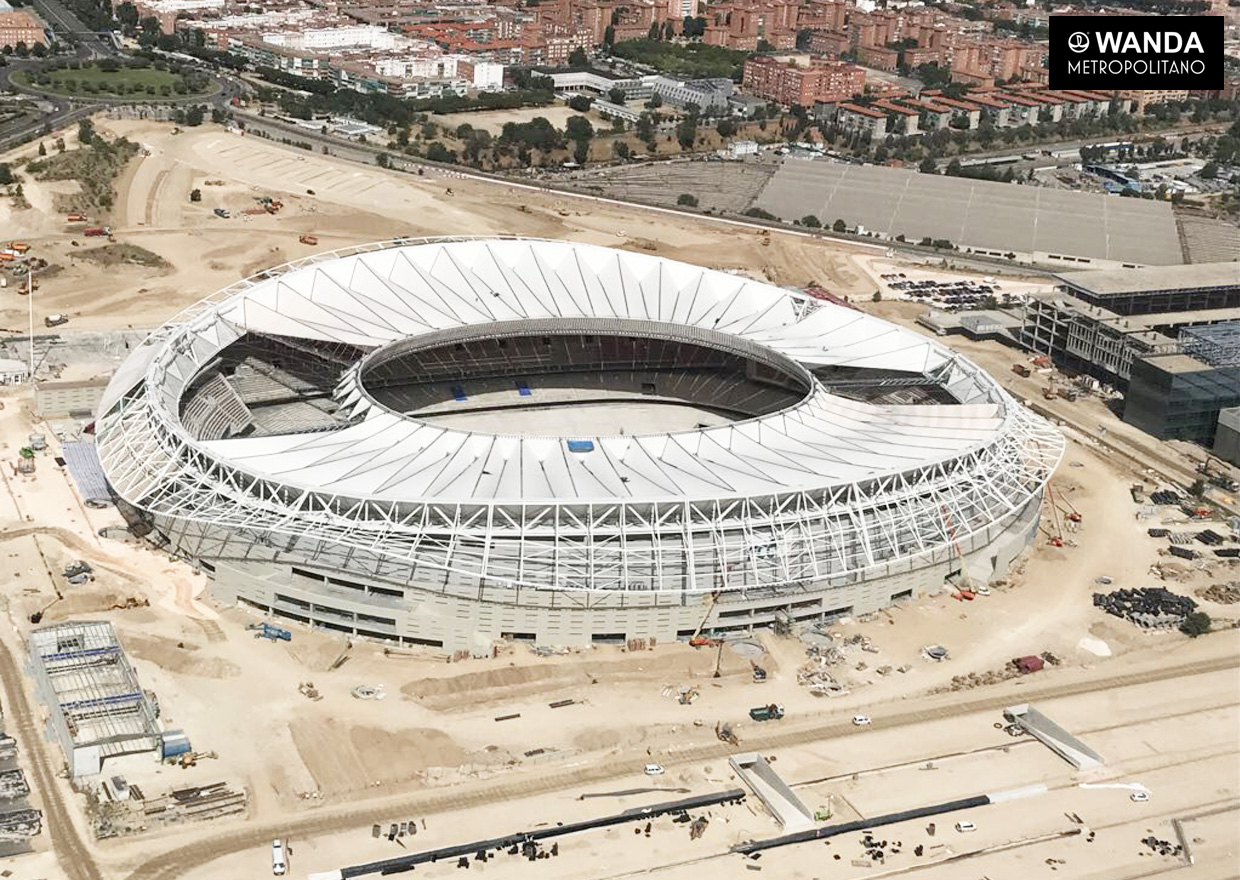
[13,784]
[821,683]
[20,824]
[977,679]
[1149,607]
[309,691]
[1162,847]
[1223,594]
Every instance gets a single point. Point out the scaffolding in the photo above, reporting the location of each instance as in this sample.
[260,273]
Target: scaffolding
[1215,344]
[98,709]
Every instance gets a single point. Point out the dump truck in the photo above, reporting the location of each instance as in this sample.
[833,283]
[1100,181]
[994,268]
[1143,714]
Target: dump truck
[308,239]
[1021,370]
[96,231]
[75,217]
[774,711]
[55,320]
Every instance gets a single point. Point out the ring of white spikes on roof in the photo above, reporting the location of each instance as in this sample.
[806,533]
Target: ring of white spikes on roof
[926,474]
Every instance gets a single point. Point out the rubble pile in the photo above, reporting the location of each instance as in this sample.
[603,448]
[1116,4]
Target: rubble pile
[1149,607]
[1162,847]
[1223,594]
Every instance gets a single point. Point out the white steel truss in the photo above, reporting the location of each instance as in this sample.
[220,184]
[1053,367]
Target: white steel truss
[827,490]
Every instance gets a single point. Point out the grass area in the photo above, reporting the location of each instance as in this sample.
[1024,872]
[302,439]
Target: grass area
[694,59]
[124,255]
[141,83]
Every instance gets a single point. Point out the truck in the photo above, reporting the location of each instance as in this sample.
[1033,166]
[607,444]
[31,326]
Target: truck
[1068,394]
[55,320]
[308,239]
[773,711]
[220,212]
[76,217]
[97,231]
[1021,370]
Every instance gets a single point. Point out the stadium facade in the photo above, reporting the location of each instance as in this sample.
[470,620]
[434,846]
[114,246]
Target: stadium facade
[451,441]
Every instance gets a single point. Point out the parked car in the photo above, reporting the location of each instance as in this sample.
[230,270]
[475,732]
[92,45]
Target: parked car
[1139,797]
[962,827]
[655,770]
[861,720]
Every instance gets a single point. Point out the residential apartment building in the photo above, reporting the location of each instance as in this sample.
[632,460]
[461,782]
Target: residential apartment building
[20,26]
[790,83]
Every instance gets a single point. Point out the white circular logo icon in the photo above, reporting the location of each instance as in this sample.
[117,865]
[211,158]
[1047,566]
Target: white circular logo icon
[1079,41]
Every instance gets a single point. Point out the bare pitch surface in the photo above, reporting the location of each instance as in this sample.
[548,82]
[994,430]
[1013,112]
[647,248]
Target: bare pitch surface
[975,213]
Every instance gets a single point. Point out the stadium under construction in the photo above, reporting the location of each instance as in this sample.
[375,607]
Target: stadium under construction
[451,441]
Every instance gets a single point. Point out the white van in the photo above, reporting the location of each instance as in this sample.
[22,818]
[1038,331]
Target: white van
[279,865]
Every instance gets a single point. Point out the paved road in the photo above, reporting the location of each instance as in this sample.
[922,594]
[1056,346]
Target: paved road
[175,863]
[69,26]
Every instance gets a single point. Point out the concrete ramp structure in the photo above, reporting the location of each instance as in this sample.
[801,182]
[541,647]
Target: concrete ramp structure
[1050,734]
[763,781]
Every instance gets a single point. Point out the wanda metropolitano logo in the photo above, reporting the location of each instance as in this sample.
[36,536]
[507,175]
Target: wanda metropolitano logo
[1101,52]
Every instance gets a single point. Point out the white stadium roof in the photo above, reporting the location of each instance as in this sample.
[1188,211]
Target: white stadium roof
[836,484]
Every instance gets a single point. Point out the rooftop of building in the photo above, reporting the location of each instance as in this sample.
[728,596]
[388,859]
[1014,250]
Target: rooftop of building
[1114,282]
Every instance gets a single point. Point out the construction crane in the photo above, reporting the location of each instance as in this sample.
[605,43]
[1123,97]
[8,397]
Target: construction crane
[966,591]
[697,640]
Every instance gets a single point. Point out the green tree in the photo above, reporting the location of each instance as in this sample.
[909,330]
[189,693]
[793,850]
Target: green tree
[655,102]
[86,131]
[609,36]
[437,152]
[194,116]
[578,59]
[383,160]
[6,175]
[810,221]
[686,131]
[687,199]
[580,103]
[42,149]
[928,166]
[726,128]
[761,214]
[1209,171]
[1196,624]
[621,150]
[615,95]
[578,128]
[839,226]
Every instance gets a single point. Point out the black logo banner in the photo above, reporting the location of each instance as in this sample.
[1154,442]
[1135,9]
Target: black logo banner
[1105,52]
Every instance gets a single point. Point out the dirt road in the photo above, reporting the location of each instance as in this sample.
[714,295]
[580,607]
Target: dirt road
[174,863]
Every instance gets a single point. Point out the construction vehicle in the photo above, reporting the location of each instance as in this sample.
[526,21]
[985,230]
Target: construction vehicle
[1068,394]
[270,631]
[1219,476]
[1021,370]
[221,213]
[55,320]
[1048,393]
[75,217]
[725,734]
[759,674]
[308,239]
[97,231]
[20,246]
[772,712]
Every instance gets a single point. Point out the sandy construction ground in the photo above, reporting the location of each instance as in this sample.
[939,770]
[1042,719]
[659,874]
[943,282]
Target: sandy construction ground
[342,204]
[321,770]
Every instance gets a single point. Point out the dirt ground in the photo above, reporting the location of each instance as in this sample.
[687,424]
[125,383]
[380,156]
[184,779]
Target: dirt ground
[442,729]
[350,204]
